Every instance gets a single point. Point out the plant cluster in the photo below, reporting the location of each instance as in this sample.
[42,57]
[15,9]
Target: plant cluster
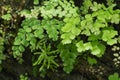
[6,16]
[34,30]
[63,23]
[114,76]
[56,30]
[23,77]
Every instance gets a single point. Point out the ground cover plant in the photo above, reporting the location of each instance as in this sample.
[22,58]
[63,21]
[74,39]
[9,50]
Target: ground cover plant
[59,37]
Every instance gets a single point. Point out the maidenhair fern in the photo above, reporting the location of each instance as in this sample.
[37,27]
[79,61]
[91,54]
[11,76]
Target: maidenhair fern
[70,29]
[96,27]
[73,31]
[68,54]
[27,36]
[86,6]
[114,76]
[58,8]
[95,47]
[52,28]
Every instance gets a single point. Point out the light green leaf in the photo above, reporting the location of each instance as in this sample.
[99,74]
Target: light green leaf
[75,31]
[96,6]
[21,48]
[108,34]
[100,18]
[67,38]
[98,24]
[39,33]
[68,69]
[25,42]
[27,29]
[33,41]
[80,46]
[115,18]
[83,23]
[66,41]
[17,41]
[35,27]
[112,41]
[88,17]
[52,32]
[14,48]
[88,46]
[94,37]
[115,76]
[36,1]
[7,16]
[25,13]
[29,36]
[67,27]
[96,50]
[119,39]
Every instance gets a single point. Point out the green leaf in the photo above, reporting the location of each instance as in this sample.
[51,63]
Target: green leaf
[67,27]
[52,32]
[100,16]
[98,24]
[7,16]
[91,60]
[39,60]
[86,6]
[25,13]
[29,36]
[17,41]
[88,17]
[75,31]
[108,34]
[96,6]
[96,50]
[16,54]
[25,43]
[36,2]
[83,23]
[68,53]
[114,76]
[67,38]
[80,46]
[119,39]
[35,27]
[68,69]
[14,48]
[94,37]
[27,29]
[115,18]
[70,30]
[21,48]
[86,32]
[39,33]
[110,2]
[33,41]
[52,28]
[66,41]
[112,41]
[88,46]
